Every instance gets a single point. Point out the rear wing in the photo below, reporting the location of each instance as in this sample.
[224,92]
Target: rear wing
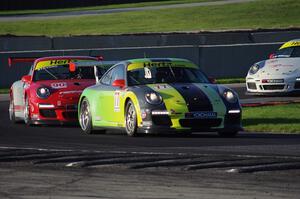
[100,67]
[14,60]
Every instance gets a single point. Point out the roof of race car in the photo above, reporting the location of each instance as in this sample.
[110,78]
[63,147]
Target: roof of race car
[58,60]
[292,43]
[158,62]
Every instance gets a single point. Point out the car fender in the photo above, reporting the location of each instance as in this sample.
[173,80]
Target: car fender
[132,96]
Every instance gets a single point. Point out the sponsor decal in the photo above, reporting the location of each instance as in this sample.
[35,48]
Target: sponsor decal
[98,118]
[59,85]
[161,86]
[272,81]
[117,101]
[201,115]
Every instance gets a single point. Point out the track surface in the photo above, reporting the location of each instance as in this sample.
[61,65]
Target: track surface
[112,11]
[62,162]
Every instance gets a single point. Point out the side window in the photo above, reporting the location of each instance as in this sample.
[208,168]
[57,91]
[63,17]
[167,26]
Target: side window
[117,73]
[106,79]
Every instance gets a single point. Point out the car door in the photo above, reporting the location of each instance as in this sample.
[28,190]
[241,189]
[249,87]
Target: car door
[111,96]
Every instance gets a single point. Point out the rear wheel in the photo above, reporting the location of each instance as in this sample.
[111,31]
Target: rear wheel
[131,119]
[228,134]
[27,119]
[12,116]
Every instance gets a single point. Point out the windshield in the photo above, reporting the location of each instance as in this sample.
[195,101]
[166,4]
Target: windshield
[62,72]
[288,52]
[154,75]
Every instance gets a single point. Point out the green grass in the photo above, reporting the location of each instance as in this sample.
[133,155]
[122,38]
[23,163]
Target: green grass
[4,90]
[113,6]
[230,80]
[252,15]
[277,119]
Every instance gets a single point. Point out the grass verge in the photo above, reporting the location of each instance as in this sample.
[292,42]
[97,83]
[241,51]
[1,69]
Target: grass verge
[276,119]
[113,6]
[230,81]
[251,15]
[4,90]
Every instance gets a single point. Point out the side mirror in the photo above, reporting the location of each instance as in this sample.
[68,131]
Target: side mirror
[212,80]
[72,67]
[272,56]
[26,78]
[119,83]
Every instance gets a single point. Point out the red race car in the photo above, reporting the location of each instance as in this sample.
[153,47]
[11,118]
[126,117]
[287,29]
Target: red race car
[49,93]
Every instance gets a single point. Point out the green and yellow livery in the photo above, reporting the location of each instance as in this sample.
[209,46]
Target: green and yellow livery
[159,95]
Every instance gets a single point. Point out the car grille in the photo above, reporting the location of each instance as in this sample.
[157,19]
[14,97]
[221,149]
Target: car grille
[251,85]
[297,85]
[200,123]
[273,87]
[163,120]
[48,113]
[70,114]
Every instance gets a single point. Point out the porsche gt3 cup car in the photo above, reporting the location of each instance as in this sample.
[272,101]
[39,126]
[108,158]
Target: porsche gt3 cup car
[50,92]
[159,95]
[278,75]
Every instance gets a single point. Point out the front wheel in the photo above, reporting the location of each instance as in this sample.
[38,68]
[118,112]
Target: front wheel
[85,117]
[130,119]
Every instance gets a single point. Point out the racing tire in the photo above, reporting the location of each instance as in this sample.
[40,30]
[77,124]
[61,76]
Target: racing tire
[85,118]
[11,111]
[228,134]
[130,119]
[27,119]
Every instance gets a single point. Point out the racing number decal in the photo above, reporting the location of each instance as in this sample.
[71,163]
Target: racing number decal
[148,74]
[117,101]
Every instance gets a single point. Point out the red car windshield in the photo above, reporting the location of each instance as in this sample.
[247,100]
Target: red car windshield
[63,72]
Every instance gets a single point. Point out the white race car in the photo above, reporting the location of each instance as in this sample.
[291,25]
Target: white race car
[278,75]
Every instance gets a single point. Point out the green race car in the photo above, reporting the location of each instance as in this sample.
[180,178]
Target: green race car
[159,95]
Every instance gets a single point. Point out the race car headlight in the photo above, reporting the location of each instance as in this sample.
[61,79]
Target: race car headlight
[230,96]
[253,69]
[43,92]
[153,98]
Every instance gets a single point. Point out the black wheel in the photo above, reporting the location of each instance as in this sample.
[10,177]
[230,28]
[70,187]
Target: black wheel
[27,119]
[11,111]
[85,117]
[228,134]
[130,119]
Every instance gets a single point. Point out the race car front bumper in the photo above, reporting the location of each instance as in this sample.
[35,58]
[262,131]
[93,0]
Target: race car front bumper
[163,123]
[51,114]
[274,86]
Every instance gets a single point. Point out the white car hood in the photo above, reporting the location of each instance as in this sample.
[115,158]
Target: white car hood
[280,67]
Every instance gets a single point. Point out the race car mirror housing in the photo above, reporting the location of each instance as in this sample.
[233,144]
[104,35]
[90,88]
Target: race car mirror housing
[212,80]
[119,83]
[72,67]
[272,56]
[26,78]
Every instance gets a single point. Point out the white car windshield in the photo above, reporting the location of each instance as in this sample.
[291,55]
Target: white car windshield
[288,52]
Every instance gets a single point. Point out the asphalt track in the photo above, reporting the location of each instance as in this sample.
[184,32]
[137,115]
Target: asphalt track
[112,11]
[63,162]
